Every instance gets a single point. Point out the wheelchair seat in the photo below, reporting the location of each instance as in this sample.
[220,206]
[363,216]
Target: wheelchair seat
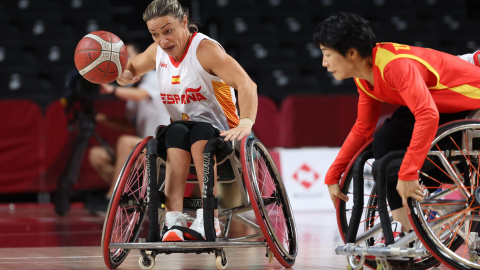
[225,160]
[473,114]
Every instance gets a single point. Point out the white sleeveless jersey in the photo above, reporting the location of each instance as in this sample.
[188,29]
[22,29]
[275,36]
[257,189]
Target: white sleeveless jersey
[190,93]
[473,58]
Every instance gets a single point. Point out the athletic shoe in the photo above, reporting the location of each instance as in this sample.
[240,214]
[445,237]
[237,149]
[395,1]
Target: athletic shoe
[198,226]
[397,234]
[174,218]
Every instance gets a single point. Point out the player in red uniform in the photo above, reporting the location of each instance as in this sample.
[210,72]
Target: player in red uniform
[432,87]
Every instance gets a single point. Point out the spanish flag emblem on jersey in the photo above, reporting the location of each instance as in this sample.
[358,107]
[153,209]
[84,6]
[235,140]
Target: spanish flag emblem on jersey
[176,79]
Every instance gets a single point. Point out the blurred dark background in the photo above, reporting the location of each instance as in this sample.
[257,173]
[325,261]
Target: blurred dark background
[272,39]
[300,104]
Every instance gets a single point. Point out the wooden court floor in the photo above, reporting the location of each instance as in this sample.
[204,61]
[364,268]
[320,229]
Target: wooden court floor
[33,237]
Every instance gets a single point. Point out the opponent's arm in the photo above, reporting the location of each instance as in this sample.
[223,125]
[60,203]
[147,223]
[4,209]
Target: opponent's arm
[367,117]
[408,78]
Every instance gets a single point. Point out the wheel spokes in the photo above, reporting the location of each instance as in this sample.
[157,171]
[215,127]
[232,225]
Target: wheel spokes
[128,214]
[272,201]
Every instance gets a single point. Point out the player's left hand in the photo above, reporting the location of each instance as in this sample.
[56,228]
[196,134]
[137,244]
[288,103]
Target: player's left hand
[408,189]
[236,133]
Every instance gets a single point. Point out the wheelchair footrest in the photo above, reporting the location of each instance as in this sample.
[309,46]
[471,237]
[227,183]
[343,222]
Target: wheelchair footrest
[191,245]
[381,251]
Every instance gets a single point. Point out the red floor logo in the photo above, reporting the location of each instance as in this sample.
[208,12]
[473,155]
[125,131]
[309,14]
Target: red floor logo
[306,176]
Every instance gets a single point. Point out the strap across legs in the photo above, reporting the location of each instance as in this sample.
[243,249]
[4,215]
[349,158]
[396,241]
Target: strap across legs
[209,200]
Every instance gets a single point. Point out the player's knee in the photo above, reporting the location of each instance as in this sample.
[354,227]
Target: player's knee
[98,157]
[127,140]
[126,143]
[121,141]
[94,156]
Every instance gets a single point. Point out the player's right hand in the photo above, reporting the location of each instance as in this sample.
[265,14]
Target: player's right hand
[335,192]
[408,189]
[127,78]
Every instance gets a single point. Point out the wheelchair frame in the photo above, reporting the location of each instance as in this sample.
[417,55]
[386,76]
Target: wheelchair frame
[444,223]
[251,166]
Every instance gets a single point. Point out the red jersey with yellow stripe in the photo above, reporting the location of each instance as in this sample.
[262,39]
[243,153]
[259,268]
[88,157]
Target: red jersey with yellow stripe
[190,93]
[427,81]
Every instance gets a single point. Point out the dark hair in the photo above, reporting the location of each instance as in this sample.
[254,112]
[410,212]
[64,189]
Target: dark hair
[344,31]
[160,8]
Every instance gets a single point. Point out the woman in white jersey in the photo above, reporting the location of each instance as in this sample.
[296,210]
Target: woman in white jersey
[196,79]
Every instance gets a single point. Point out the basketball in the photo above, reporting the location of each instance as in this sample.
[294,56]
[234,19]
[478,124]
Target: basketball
[101,57]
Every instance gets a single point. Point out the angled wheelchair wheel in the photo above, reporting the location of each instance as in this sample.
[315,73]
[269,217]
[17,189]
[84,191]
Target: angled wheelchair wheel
[269,201]
[370,216]
[127,208]
[447,220]
[367,229]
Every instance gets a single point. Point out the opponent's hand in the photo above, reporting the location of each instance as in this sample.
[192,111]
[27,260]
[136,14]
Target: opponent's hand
[335,192]
[236,133]
[127,78]
[408,189]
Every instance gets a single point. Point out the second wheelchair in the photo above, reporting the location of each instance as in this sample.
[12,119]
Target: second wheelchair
[445,223]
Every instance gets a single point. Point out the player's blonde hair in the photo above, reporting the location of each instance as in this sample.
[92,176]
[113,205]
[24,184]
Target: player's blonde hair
[160,8]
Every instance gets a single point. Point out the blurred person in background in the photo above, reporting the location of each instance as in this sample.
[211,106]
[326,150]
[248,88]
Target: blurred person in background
[431,87]
[144,111]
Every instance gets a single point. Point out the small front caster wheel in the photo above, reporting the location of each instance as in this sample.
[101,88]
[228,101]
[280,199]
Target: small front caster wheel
[270,256]
[221,259]
[147,263]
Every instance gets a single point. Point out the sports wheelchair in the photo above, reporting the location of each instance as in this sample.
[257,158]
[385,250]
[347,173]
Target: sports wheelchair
[138,197]
[446,222]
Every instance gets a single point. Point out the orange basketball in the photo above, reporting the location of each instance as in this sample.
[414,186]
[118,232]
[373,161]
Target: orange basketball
[101,57]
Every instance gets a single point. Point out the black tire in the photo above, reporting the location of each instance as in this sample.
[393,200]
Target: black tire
[344,209]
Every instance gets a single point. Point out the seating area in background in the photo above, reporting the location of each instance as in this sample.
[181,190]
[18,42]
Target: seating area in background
[35,149]
[36,145]
[271,39]
[39,39]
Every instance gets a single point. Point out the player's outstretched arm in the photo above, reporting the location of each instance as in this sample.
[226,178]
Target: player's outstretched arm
[139,65]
